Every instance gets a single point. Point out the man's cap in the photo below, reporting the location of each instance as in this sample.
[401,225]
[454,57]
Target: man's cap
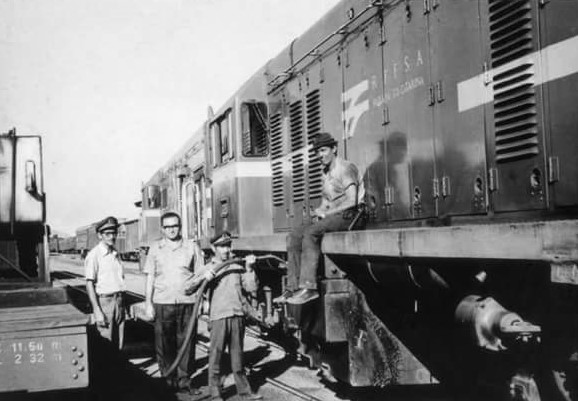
[106,224]
[223,238]
[323,139]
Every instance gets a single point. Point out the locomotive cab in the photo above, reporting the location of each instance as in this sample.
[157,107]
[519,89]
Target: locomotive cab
[238,163]
[41,332]
[22,209]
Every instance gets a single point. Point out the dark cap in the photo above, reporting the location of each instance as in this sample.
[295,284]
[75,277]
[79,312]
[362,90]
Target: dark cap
[106,224]
[323,139]
[224,238]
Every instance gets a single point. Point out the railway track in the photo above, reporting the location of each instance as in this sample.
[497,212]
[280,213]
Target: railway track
[75,282]
[283,379]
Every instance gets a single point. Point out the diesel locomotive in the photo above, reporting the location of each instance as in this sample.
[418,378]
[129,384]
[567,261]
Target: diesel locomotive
[461,114]
[43,337]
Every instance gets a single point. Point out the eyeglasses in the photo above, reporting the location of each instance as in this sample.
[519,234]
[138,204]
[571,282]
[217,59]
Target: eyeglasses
[174,226]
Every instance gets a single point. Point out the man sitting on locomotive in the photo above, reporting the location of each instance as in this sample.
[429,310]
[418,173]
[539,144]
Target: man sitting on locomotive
[342,193]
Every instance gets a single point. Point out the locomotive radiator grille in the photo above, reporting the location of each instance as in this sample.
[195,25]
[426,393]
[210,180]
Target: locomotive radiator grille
[276,155]
[510,30]
[313,112]
[297,144]
[515,107]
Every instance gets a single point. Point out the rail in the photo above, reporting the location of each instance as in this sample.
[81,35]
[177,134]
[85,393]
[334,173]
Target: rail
[204,345]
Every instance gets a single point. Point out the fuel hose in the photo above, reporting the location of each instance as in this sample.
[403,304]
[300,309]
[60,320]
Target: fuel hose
[192,325]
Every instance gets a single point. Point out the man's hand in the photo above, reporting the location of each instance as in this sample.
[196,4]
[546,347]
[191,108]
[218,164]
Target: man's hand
[149,311]
[209,275]
[99,318]
[317,215]
[250,261]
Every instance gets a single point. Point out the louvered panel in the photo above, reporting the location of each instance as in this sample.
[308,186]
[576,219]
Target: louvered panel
[298,179]
[510,30]
[276,123]
[313,112]
[278,190]
[246,141]
[515,107]
[515,115]
[297,143]
[296,125]
[276,136]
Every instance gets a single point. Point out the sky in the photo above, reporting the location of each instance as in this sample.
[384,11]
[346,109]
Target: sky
[115,87]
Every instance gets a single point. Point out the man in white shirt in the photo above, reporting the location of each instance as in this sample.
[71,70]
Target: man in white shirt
[105,283]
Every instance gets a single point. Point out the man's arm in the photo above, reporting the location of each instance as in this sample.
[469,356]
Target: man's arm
[99,317]
[90,272]
[199,258]
[249,278]
[349,200]
[205,273]
[351,182]
[149,269]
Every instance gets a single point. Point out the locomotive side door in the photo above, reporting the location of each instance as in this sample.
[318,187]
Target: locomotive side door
[515,128]
[363,111]
[280,182]
[560,37]
[409,144]
[297,150]
[313,97]
[457,63]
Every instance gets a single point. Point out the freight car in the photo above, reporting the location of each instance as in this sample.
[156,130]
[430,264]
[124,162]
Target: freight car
[86,239]
[43,340]
[461,116]
[57,244]
[127,242]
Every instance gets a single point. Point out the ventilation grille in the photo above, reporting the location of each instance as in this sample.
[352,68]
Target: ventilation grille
[510,30]
[515,108]
[313,110]
[298,157]
[276,155]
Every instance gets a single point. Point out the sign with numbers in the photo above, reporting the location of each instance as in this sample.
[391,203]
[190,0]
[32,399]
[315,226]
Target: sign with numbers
[45,363]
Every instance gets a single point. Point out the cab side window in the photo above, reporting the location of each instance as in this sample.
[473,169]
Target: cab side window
[254,129]
[222,139]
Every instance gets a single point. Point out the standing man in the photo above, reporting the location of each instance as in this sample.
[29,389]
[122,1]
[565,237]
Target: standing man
[342,192]
[105,283]
[170,266]
[227,316]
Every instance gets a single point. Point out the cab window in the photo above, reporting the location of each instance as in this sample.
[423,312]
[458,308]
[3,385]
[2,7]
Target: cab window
[222,139]
[254,129]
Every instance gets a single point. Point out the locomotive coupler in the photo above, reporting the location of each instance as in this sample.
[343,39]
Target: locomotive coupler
[490,324]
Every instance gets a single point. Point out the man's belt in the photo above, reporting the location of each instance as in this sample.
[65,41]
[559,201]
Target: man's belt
[111,295]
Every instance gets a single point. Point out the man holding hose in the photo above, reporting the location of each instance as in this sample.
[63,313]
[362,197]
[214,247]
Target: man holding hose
[227,314]
[170,266]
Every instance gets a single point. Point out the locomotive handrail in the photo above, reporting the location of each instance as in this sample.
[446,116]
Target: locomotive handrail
[288,73]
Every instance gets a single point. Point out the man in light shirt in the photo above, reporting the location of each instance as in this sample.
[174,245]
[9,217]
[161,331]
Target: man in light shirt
[105,283]
[342,194]
[170,265]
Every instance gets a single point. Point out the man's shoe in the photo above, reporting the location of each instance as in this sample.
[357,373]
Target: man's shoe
[303,296]
[281,299]
[251,397]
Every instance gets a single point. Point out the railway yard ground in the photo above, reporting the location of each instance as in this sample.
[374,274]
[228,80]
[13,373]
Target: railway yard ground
[134,374]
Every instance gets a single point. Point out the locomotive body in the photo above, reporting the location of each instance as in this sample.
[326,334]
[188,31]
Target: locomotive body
[460,116]
[40,331]
[178,186]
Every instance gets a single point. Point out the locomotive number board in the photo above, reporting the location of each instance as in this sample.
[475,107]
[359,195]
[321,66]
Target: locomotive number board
[43,363]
